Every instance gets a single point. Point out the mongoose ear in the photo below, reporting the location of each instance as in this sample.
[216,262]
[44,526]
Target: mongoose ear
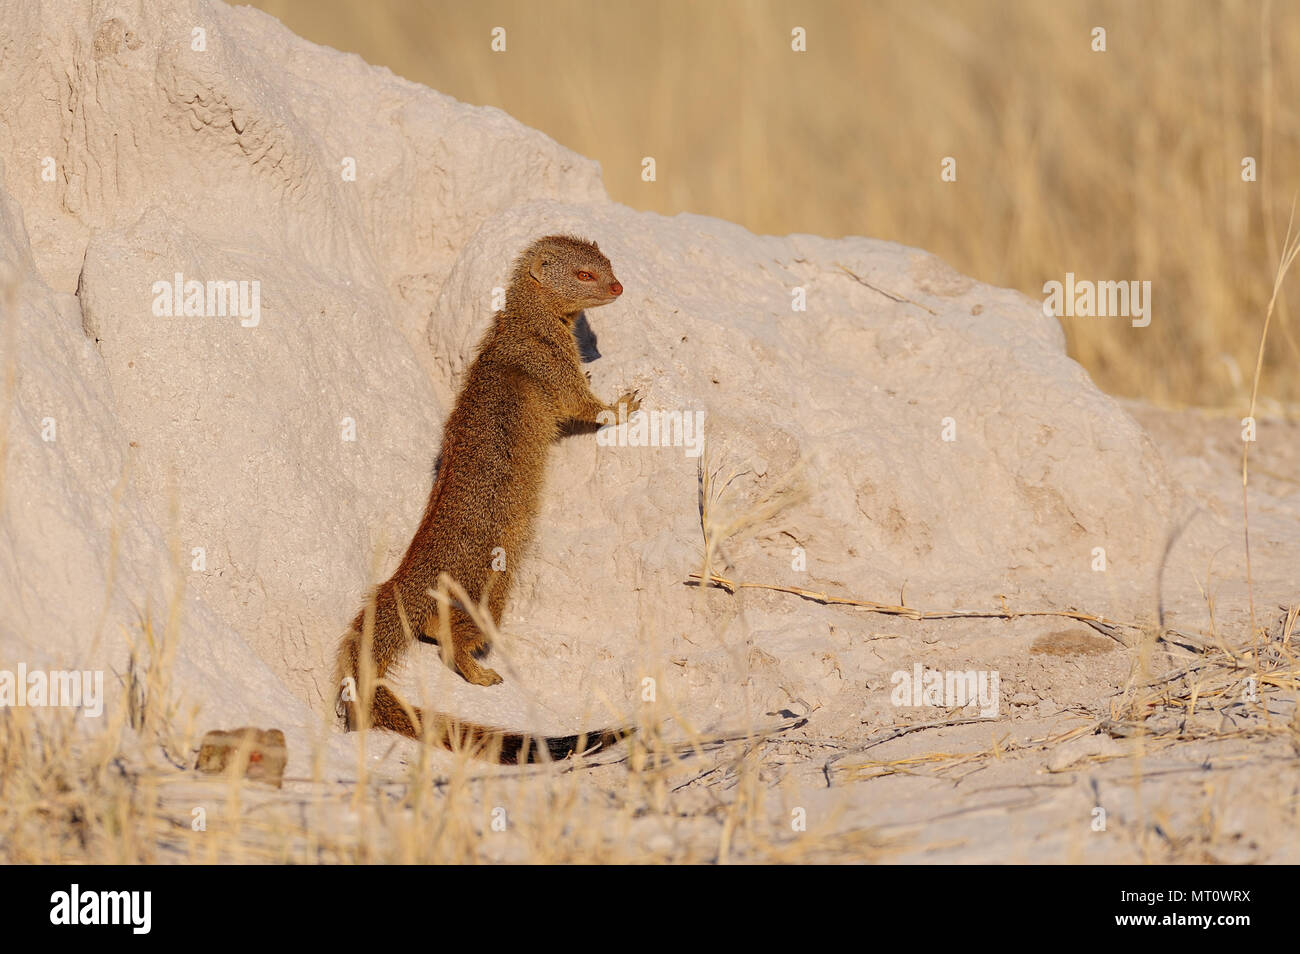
[535,269]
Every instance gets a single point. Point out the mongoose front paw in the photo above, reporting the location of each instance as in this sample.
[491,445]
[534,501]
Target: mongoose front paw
[632,399]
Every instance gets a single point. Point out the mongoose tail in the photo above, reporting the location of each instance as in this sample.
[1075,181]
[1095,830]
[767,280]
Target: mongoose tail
[499,745]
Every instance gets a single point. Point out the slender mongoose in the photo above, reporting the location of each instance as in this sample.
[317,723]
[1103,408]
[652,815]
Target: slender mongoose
[525,383]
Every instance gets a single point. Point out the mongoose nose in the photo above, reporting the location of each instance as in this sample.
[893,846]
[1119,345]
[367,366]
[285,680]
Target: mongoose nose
[616,289]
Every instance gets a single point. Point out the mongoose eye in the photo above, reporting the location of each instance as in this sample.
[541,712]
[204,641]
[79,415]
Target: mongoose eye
[586,276]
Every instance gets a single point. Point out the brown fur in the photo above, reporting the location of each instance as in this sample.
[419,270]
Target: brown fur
[524,385]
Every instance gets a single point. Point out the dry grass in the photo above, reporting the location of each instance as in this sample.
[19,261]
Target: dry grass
[1116,165]
[117,795]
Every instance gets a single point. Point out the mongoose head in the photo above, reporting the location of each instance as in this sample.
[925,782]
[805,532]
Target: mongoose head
[569,272]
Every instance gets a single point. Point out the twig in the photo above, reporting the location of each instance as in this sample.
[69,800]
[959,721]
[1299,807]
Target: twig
[708,743]
[908,612]
[892,296]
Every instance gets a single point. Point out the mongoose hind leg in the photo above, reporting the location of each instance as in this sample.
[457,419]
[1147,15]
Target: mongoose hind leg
[467,642]
[472,670]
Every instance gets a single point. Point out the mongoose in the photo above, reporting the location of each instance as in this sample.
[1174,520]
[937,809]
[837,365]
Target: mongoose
[525,383]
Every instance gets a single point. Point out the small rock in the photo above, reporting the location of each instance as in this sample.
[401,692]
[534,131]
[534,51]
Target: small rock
[266,753]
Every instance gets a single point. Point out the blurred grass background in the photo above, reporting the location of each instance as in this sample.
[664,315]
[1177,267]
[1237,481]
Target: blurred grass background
[1118,165]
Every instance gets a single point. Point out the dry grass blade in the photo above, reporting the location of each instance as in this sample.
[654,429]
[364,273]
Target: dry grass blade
[891,734]
[1290,249]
